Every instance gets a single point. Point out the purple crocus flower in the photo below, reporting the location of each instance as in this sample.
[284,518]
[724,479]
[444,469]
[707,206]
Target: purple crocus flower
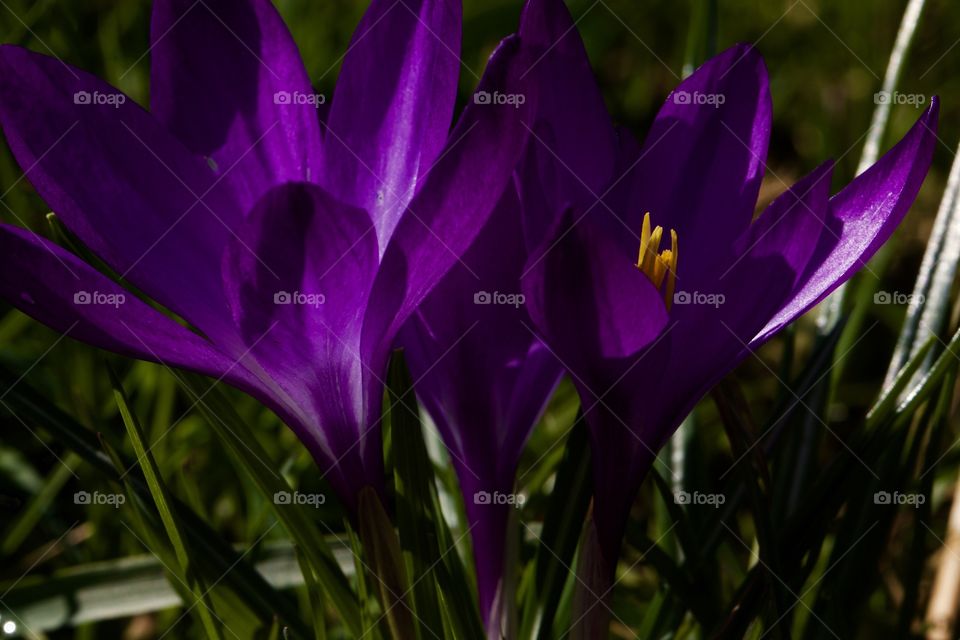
[659,283]
[485,379]
[294,248]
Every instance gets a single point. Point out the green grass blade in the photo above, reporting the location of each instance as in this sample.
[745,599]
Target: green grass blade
[832,307]
[238,573]
[416,513]
[566,511]
[167,514]
[244,448]
[381,547]
[929,305]
[33,513]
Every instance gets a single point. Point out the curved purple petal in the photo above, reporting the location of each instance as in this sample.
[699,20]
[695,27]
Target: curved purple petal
[633,406]
[227,80]
[455,201]
[118,180]
[865,212]
[392,105]
[589,298]
[55,287]
[297,278]
[485,378]
[574,136]
[701,165]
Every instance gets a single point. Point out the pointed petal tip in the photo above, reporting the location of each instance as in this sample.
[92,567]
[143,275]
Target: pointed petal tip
[932,114]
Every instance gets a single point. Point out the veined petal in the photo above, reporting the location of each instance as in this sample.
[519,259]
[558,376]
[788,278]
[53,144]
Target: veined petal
[865,214]
[227,80]
[392,105]
[55,287]
[130,191]
[297,278]
[703,160]
[455,201]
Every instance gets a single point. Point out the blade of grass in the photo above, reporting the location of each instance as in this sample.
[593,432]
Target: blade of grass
[381,547]
[34,511]
[929,303]
[565,513]
[20,398]
[242,445]
[416,516]
[832,308]
[167,513]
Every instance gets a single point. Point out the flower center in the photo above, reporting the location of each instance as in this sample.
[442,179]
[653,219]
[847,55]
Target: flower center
[655,264]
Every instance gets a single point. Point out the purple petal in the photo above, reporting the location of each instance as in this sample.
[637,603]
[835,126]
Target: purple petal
[227,80]
[574,133]
[644,400]
[773,256]
[866,213]
[588,297]
[703,160]
[455,201]
[484,377]
[63,292]
[392,105]
[118,180]
[297,277]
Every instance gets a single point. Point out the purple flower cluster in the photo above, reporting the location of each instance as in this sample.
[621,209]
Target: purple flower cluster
[287,243]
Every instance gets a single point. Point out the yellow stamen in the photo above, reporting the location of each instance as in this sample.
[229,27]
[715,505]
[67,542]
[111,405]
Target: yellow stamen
[655,264]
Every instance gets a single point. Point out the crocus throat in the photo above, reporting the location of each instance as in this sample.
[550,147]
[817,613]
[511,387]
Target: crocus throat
[655,264]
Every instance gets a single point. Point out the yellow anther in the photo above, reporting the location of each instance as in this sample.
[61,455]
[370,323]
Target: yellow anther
[655,264]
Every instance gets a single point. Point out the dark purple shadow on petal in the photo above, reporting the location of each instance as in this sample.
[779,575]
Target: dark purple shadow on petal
[484,378]
[227,80]
[300,305]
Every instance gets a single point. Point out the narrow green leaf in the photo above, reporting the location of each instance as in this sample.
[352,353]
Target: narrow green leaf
[170,521]
[315,596]
[929,304]
[242,445]
[34,511]
[565,513]
[832,309]
[416,512]
[887,401]
[701,36]
[382,549]
[238,574]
